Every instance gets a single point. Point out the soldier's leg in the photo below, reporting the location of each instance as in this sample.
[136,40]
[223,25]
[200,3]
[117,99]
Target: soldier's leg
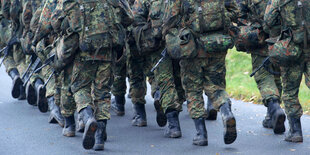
[102,97]
[266,83]
[11,69]
[161,118]
[192,80]
[84,73]
[20,59]
[67,104]
[215,72]
[291,77]
[137,81]
[119,86]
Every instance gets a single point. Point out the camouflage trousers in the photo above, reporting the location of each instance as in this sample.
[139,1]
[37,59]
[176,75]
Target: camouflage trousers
[91,85]
[138,69]
[204,74]
[291,80]
[63,93]
[269,85]
[9,63]
[21,60]
[119,77]
[168,79]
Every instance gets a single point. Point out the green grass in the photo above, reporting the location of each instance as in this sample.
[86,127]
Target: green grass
[241,86]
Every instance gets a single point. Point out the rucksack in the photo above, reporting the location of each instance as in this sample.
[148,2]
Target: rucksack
[295,15]
[148,37]
[204,16]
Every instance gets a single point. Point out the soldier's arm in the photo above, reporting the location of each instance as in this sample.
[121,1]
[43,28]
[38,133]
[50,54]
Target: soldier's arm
[271,14]
[140,11]
[172,15]
[44,24]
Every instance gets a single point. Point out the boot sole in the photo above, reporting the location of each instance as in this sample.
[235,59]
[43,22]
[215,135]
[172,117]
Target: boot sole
[69,134]
[201,143]
[42,100]
[99,147]
[298,139]
[16,87]
[174,135]
[230,132]
[31,94]
[161,118]
[267,124]
[89,134]
[279,127]
[22,95]
[212,115]
[117,112]
[142,124]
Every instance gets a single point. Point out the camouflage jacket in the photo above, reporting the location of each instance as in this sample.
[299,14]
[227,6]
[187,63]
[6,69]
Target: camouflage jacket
[175,16]
[44,23]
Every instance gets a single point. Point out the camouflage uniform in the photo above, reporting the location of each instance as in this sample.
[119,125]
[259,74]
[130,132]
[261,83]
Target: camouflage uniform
[167,75]
[294,17]
[269,85]
[42,40]
[93,68]
[291,75]
[5,35]
[203,72]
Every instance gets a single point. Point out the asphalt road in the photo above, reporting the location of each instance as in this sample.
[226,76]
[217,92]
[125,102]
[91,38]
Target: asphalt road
[24,130]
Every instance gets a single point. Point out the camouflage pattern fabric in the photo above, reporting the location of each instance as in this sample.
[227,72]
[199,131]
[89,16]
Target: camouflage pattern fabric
[204,74]
[168,80]
[63,91]
[291,75]
[138,68]
[119,77]
[96,73]
[269,85]
[151,11]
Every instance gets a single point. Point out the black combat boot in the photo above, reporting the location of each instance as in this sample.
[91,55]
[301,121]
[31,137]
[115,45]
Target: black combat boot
[42,101]
[22,94]
[17,82]
[140,116]
[118,105]
[295,132]
[81,124]
[229,122]
[161,118]
[211,112]
[267,122]
[201,137]
[69,129]
[173,129]
[55,115]
[101,135]
[90,127]
[31,95]
[277,116]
